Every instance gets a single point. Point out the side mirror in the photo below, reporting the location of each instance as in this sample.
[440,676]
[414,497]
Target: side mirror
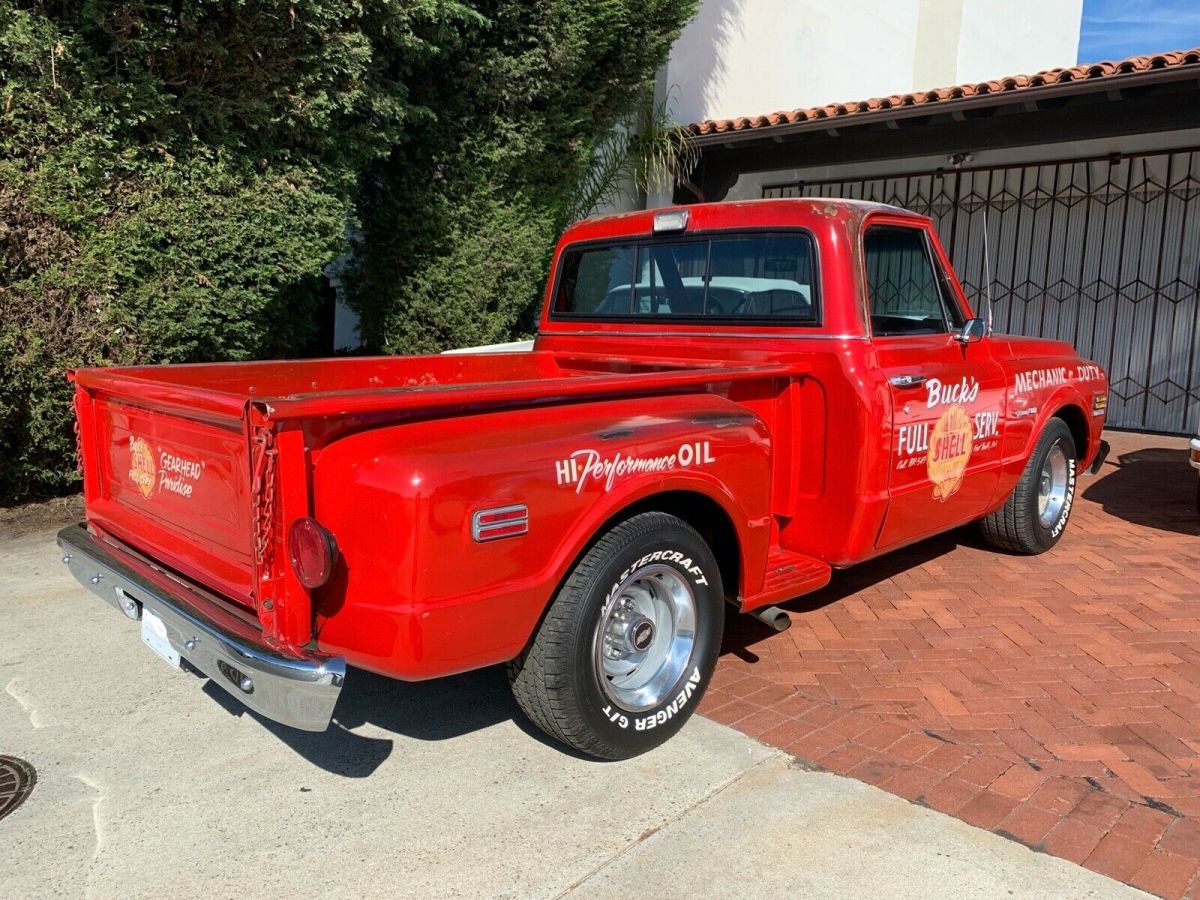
[973,330]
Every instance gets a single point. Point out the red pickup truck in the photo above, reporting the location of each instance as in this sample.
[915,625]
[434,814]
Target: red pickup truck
[723,404]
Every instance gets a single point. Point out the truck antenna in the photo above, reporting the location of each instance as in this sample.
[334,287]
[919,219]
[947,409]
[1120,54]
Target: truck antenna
[987,271]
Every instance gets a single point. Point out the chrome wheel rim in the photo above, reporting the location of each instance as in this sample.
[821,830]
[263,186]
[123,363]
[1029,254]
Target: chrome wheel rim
[645,638]
[1052,486]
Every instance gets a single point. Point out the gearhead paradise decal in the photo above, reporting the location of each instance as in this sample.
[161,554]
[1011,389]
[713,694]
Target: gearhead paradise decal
[949,452]
[168,471]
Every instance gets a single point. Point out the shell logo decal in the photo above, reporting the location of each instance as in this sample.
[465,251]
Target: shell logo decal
[142,470]
[949,452]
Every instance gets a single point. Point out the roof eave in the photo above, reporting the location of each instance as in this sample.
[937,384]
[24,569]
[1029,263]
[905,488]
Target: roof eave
[1014,96]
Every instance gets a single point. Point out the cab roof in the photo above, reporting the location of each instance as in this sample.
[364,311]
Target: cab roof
[792,212]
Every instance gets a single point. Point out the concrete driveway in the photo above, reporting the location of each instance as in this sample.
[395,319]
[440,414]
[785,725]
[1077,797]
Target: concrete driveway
[151,783]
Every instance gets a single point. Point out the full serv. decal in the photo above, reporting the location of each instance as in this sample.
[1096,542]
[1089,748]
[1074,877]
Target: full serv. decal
[169,472]
[584,467]
[944,445]
[142,471]
[949,452]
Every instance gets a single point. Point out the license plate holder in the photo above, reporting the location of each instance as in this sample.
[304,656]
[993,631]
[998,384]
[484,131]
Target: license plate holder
[154,636]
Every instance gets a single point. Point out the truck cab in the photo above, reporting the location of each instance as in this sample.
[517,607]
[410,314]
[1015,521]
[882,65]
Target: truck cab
[882,342]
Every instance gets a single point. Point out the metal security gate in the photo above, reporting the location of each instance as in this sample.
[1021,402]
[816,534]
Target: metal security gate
[1102,253]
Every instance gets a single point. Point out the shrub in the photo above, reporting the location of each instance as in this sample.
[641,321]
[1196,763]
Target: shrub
[173,178]
[458,222]
[175,175]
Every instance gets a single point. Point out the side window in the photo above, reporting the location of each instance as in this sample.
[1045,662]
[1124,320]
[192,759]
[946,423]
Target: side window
[904,288]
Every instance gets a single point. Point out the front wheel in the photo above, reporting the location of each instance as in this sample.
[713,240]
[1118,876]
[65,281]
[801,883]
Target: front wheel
[1036,513]
[628,646]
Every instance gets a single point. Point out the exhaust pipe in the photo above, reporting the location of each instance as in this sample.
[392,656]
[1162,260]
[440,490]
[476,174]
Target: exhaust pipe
[773,617]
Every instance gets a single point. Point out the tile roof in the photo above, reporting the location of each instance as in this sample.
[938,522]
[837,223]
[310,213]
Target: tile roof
[1012,83]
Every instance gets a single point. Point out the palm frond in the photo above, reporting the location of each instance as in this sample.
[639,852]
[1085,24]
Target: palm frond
[647,151]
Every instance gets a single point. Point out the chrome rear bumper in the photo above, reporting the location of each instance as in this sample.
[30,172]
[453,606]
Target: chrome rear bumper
[300,692]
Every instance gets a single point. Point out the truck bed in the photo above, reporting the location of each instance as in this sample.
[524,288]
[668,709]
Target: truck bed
[179,460]
[335,387]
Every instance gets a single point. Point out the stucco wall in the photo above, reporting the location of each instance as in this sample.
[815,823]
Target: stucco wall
[1004,37]
[741,57]
[744,57]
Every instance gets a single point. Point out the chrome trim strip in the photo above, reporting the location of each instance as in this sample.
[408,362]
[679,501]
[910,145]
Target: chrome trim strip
[512,517]
[300,693]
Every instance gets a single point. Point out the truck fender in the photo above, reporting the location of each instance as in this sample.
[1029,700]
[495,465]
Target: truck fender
[416,594]
[751,535]
[1066,402]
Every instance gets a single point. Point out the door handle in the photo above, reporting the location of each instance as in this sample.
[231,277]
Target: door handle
[907,381]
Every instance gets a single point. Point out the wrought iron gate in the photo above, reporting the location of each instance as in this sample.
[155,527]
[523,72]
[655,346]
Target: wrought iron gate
[1102,253]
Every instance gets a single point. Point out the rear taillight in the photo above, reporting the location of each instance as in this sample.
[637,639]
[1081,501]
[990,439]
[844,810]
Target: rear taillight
[312,551]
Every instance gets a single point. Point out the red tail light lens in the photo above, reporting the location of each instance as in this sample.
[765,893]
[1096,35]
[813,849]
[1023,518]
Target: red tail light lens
[312,551]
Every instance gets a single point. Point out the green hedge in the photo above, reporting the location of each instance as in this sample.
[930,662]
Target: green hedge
[174,176]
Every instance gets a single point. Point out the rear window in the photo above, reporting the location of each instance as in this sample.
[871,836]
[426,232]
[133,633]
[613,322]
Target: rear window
[764,277]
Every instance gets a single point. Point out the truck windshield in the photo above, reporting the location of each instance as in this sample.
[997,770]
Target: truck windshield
[740,277]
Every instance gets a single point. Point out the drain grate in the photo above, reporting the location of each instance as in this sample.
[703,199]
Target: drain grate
[17,779]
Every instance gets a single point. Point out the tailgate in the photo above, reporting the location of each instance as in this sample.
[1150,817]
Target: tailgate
[176,488]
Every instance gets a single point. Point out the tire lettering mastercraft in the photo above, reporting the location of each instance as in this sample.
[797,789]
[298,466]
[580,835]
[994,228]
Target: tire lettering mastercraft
[674,556]
[1066,510]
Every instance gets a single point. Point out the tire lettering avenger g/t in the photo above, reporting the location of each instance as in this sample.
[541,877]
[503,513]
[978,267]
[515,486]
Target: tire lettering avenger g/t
[663,715]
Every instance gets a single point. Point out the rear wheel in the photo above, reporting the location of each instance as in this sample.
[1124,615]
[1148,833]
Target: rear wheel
[1035,515]
[627,647]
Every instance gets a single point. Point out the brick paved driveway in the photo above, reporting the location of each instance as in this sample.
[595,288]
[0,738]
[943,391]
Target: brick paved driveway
[1054,699]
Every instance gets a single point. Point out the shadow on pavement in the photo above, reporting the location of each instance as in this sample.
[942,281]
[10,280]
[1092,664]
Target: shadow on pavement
[1154,487]
[742,632]
[437,710]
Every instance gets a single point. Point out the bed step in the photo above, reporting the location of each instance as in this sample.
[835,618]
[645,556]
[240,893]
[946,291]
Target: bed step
[789,575]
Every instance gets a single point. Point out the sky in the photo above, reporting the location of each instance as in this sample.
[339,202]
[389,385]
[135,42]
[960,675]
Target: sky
[1115,29]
